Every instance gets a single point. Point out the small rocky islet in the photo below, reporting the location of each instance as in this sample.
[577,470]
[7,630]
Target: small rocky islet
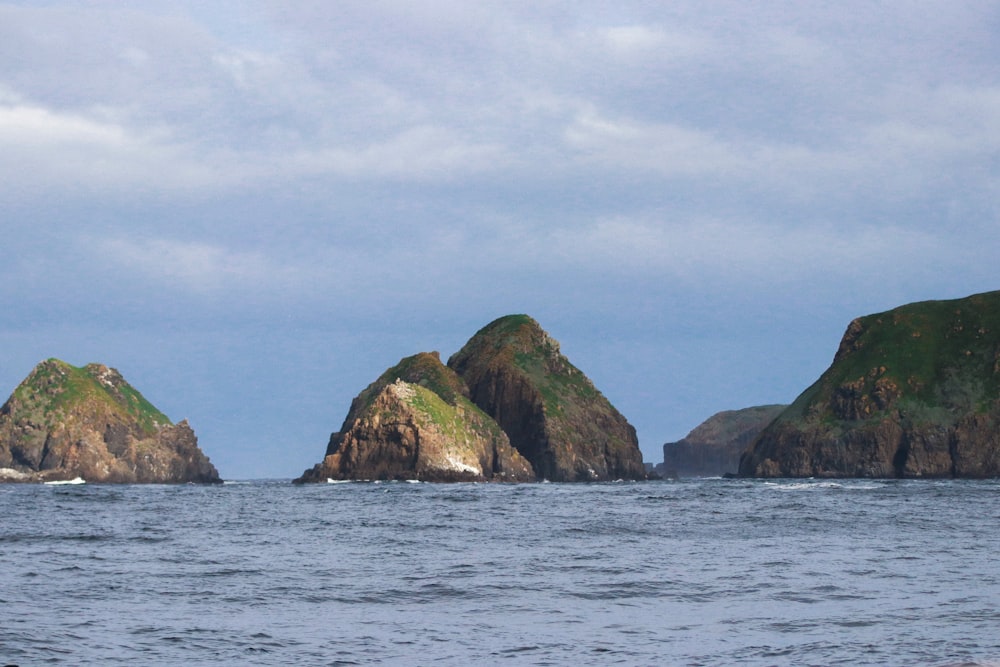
[508,406]
[64,423]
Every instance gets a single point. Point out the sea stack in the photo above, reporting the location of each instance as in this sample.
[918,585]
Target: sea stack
[550,410]
[64,422]
[911,392]
[416,422]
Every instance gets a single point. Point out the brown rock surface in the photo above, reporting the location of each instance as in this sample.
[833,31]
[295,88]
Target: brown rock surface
[65,422]
[416,423]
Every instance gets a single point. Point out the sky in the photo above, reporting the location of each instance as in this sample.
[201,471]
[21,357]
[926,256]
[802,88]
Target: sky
[252,209]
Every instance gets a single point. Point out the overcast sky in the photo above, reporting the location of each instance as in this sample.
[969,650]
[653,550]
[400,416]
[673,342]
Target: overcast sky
[252,209]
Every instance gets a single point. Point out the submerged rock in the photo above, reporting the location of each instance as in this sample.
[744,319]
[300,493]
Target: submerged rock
[713,448]
[64,422]
[551,411]
[417,422]
[912,392]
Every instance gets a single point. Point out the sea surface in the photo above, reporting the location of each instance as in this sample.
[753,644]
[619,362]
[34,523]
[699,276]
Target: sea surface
[699,572]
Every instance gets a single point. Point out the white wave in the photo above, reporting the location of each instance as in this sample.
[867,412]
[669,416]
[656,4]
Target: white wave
[75,480]
[799,486]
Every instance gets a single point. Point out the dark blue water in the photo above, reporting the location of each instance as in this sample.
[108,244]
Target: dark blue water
[707,572]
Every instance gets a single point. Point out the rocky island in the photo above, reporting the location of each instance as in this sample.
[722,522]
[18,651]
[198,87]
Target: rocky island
[912,392]
[416,422]
[713,448]
[507,407]
[64,422]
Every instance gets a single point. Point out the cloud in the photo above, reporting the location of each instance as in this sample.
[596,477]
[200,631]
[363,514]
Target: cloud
[202,268]
[422,153]
[741,254]
[668,149]
[769,101]
[43,150]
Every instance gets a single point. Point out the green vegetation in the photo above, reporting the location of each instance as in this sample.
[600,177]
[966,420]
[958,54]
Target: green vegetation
[507,329]
[424,369]
[440,413]
[521,342]
[458,422]
[439,394]
[55,387]
[557,380]
[932,356]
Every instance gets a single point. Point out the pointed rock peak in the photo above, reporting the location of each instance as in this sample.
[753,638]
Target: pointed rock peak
[551,411]
[424,369]
[518,333]
[427,370]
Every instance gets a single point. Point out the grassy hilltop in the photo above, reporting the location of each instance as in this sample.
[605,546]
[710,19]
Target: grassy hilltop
[63,421]
[912,392]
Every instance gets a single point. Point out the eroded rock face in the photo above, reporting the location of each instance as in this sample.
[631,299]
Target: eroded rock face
[912,392]
[551,411]
[416,422]
[64,422]
[714,447]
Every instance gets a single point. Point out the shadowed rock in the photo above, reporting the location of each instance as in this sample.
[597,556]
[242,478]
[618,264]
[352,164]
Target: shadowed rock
[551,411]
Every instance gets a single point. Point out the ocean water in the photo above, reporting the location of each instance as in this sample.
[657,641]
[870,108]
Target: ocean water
[701,572]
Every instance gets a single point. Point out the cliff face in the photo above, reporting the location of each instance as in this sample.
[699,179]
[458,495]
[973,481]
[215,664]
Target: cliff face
[64,422]
[912,392]
[551,411]
[417,422]
[714,447]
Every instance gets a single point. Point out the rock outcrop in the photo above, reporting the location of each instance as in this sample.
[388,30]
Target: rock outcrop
[912,392]
[416,422]
[714,447]
[550,410]
[65,422]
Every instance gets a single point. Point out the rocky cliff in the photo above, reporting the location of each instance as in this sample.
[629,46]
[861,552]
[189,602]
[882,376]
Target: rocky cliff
[417,422]
[551,411]
[912,392]
[65,422]
[714,447]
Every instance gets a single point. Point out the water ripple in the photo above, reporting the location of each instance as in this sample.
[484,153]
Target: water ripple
[696,572]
